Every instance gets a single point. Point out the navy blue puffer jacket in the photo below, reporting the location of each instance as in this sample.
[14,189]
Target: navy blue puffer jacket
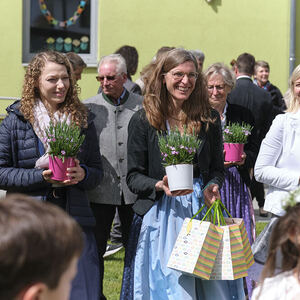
[19,150]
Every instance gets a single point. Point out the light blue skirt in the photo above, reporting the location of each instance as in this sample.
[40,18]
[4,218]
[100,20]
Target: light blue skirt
[153,280]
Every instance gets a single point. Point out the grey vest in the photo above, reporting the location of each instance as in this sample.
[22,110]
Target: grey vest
[111,124]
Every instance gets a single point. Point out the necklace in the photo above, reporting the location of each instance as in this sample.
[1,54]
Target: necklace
[56,23]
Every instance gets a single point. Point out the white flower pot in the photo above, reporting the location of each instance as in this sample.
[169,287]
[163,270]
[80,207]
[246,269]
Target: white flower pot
[180,177]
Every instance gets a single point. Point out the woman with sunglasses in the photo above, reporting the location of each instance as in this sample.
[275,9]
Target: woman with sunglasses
[175,96]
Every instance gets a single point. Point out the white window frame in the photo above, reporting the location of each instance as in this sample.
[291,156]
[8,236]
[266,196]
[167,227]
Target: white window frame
[90,59]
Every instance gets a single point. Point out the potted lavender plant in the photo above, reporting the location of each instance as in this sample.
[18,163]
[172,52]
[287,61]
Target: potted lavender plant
[234,137]
[177,152]
[64,142]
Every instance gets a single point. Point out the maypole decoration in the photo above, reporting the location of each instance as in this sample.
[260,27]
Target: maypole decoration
[63,24]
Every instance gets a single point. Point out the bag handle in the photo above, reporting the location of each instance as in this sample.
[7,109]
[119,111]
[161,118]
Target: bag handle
[217,215]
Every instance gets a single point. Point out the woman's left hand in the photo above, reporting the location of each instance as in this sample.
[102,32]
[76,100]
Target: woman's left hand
[211,194]
[76,174]
[228,164]
[243,157]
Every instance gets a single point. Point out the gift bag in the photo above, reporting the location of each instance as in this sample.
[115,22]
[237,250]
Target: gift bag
[234,257]
[196,248]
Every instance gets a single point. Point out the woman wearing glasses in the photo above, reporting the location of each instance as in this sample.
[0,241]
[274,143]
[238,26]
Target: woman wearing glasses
[174,96]
[235,193]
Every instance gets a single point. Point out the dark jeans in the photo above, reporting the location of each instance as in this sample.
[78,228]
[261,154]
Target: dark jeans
[258,192]
[116,231]
[104,214]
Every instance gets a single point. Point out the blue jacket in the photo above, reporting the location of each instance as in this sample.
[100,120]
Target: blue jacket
[19,150]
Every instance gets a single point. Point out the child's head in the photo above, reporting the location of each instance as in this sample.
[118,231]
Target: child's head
[39,248]
[286,238]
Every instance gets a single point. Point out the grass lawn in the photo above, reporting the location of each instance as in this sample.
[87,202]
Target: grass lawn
[260,226]
[114,269]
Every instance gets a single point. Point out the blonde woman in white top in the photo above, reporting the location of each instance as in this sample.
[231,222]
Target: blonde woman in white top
[278,161]
[278,166]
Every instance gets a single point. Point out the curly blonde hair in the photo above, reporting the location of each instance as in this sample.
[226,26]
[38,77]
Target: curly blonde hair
[158,104]
[72,105]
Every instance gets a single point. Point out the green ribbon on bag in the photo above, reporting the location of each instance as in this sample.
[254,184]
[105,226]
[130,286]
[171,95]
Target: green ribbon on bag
[217,214]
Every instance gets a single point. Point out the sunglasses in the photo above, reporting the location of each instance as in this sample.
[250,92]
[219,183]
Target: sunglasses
[108,78]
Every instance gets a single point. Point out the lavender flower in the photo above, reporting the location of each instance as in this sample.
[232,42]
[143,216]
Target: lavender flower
[177,147]
[64,139]
[227,131]
[237,133]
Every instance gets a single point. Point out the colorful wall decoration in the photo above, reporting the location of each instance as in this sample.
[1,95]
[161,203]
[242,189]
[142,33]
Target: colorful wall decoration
[61,25]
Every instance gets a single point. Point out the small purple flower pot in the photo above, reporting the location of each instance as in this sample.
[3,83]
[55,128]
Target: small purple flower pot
[233,151]
[59,168]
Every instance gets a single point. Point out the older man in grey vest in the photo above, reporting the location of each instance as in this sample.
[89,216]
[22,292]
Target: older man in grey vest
[113,108]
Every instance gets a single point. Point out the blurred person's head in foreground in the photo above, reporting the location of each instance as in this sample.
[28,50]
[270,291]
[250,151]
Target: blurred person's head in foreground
[39,249]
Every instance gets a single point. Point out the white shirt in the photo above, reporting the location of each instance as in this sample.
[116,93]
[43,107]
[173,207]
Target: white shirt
[278,161]
[283,286]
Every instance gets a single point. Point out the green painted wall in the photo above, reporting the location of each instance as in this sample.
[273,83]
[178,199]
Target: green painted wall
[11,70]
[222,29]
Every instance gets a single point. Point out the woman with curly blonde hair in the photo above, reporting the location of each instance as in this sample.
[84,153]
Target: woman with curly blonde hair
[49,94]
[71,104]
[175,97]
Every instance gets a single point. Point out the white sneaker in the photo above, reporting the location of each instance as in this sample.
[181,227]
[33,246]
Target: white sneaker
[112,249]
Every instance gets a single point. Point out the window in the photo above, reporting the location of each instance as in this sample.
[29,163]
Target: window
[61,25]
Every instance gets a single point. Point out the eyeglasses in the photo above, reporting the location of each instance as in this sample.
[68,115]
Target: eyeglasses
[108,78]
[219,88]
[179,75]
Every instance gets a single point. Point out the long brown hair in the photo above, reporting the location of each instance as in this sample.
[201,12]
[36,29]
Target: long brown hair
[285,238]
[30,94]
[157,103]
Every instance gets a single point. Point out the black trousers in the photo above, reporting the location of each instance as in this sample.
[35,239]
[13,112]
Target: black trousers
[258,192]
[104,214]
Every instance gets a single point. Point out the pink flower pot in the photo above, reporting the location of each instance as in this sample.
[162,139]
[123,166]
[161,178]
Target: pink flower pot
[233,151]
[59,168]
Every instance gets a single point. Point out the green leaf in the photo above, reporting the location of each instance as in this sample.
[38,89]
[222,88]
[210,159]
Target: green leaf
[177,148]
[236,133]
[64,140]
